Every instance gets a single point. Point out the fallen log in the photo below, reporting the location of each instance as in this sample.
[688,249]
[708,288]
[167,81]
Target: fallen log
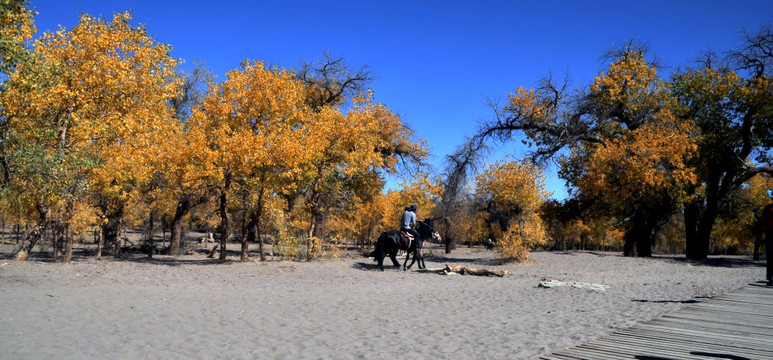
[441,271]
[466,270]
[463,270]
[574,284]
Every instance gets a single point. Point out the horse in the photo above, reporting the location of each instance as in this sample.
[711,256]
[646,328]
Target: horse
[389,242]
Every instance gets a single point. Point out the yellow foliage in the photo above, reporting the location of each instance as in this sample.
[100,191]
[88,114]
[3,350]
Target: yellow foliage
[511,193]
[289,248]
[645,163]
[89,114]
[736,231]
[513,188]
[521,237]
[16,22]
[423,192]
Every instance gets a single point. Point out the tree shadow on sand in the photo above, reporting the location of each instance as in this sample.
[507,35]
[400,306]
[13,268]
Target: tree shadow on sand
[81,255]
[697,353]
[177,260]
[690,301]
[719,356]
[467,259]
[725,262]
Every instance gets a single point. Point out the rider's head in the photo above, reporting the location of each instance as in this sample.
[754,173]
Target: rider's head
[413,208]
[770,193]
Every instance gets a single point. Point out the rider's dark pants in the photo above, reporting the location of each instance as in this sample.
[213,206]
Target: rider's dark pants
[416,236]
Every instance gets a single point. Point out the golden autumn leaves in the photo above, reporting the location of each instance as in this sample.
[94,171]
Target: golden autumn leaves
[89,125]
[512,194]
[258,130]
[257,142]
[97,128]
[638,150]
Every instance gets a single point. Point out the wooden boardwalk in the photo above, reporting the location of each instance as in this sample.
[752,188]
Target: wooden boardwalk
[737,325]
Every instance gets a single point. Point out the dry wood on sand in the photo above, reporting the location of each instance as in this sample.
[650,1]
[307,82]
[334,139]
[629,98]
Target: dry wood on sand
[463,270]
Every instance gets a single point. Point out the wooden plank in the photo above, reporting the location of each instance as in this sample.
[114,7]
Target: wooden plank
[738,324]
[598,352]
[634,352]
[711,327]
[718,323]
[637,351]
[660,342]
[677,331]
[692,321]
[739,308]
[639,335]
[755,315]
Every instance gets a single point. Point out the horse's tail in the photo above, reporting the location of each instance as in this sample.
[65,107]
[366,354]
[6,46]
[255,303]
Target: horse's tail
[379,245]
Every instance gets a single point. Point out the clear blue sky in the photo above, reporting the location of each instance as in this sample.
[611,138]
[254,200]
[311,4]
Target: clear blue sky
[437,62]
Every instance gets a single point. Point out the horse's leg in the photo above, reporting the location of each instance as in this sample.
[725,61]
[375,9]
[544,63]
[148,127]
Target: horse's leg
[407,255]
[421,259]
[393,248]
[393,256]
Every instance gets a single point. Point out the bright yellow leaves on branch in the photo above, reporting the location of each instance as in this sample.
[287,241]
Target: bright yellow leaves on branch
[424,193]
[529,106]
[648,163]
[16,29]
[108,99]
[252,121]
[16,21]
[627,93]
[88,114]
[511,194]
[252,139]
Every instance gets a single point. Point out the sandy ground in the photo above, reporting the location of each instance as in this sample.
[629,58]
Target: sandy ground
[190,307]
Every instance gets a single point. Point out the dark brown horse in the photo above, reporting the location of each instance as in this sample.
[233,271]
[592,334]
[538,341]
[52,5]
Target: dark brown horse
[391,241]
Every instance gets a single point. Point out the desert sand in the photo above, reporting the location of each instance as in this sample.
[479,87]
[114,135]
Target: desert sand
[190,307]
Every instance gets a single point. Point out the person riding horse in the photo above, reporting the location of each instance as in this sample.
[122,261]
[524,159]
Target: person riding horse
[408,223]
[391,241]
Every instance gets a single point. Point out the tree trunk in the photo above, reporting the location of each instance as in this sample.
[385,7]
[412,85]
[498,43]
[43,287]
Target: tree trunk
[449,240]
[450,244]
[57,239]
[691,217]
[316,219]
[644,244]
[706,224]
[175,239]
[34,235]
[254,228]
[638,239]
[111,228]
[98,236]
[633,235]
[699,248]
[184,205]
[68,239]
[224,214]
[244,256]
[150,246]
[629,244]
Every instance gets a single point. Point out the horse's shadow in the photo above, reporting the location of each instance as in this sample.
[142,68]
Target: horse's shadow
[370,267]
[481,261]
